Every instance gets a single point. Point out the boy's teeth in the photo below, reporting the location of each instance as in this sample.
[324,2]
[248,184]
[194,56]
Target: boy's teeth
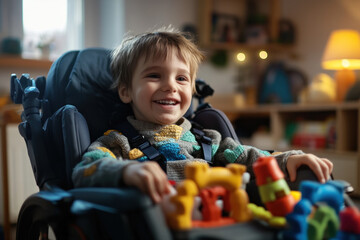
[167,102]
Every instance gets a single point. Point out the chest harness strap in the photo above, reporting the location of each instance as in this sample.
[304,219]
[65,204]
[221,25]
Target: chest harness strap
[205,143]
[138,141]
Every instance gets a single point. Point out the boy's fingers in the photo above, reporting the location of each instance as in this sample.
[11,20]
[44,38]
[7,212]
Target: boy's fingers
[325,169]
[159,185]
[318,170]
[149,186]
[329,164]
[292,174]
[328,167]
[160,179]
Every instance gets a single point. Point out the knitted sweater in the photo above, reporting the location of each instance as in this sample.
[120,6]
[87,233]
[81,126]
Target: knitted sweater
[102,164]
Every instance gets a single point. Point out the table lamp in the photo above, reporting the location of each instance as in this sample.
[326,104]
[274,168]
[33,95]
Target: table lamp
[342,53]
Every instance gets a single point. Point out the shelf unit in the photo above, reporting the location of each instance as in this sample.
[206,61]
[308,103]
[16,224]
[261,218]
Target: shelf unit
[11,61]
[345,154]
[207,8]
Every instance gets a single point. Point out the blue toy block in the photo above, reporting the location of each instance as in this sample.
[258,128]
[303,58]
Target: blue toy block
[330,193]
[297,221]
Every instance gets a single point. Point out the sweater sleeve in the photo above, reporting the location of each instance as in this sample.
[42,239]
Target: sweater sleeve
[231,151]
[102,164]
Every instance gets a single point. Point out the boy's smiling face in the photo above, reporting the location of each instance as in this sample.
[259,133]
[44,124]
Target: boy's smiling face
[161,89]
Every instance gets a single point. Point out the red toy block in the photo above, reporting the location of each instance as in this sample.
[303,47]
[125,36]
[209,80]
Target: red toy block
[267,170]
[350,220]
[282,206]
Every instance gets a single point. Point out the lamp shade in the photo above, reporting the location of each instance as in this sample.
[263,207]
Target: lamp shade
[342,50]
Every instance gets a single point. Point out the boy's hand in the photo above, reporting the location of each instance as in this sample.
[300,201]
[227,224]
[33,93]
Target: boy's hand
[149,178]
[322,167]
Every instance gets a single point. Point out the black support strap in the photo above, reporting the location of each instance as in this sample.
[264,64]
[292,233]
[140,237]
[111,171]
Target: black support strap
[205,142]
[140,142]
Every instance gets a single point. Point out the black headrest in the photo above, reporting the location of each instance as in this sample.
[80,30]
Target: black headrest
[83,79]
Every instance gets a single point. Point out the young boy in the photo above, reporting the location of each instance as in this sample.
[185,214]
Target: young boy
[155,73]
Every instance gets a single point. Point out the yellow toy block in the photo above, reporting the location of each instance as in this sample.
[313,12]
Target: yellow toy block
[239,201]
[199,176]
[204,176]
[180,219]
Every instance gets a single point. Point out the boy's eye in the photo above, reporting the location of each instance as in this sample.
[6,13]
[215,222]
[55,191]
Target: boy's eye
[153,75]
[182,78]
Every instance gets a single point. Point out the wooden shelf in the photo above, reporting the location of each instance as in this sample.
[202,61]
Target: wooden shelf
[241,46]
[294,107]
[208,7]
[9,61]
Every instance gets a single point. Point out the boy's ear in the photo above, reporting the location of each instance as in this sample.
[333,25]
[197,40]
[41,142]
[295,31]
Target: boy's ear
[124,94]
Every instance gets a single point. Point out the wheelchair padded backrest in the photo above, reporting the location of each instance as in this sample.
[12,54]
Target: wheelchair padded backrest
[83,79]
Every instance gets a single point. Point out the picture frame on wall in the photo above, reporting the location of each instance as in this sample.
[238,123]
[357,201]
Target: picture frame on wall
[225,28]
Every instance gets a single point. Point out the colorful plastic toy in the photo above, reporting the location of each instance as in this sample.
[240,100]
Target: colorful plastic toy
[349,224]
[264,215]
[297,221]
[324,224]
[200,178]
[331,193]
[273,189]
[183,203]
[320,214]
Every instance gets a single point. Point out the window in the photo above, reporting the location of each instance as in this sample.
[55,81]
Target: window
[51,27]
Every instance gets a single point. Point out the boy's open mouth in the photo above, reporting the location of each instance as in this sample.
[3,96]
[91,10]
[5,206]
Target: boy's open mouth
[166,102]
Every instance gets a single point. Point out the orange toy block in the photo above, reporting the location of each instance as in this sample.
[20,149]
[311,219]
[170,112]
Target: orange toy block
[209,196]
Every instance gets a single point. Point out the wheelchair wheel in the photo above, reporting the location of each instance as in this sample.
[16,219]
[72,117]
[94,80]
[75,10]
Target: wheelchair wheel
[41,219]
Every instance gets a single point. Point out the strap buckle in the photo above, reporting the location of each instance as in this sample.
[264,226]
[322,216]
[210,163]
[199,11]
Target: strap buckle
[205,142]
[150,152]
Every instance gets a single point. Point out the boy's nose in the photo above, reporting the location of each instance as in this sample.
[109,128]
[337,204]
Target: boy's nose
[169,85]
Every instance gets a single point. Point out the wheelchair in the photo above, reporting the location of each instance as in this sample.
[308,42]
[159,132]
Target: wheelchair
[62,115]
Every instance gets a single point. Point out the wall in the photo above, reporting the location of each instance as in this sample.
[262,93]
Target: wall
[314,22]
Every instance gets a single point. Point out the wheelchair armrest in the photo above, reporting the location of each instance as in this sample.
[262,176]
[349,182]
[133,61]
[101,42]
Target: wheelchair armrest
[142,213]
[128,199]
[303,173]
[118,213]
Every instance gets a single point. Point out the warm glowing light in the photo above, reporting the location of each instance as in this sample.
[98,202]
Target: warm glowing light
[241,57]
[345,63]
[342,53]
[342,50]
[263,54]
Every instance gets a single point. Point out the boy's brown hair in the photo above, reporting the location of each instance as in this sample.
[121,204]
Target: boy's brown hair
[156,44]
